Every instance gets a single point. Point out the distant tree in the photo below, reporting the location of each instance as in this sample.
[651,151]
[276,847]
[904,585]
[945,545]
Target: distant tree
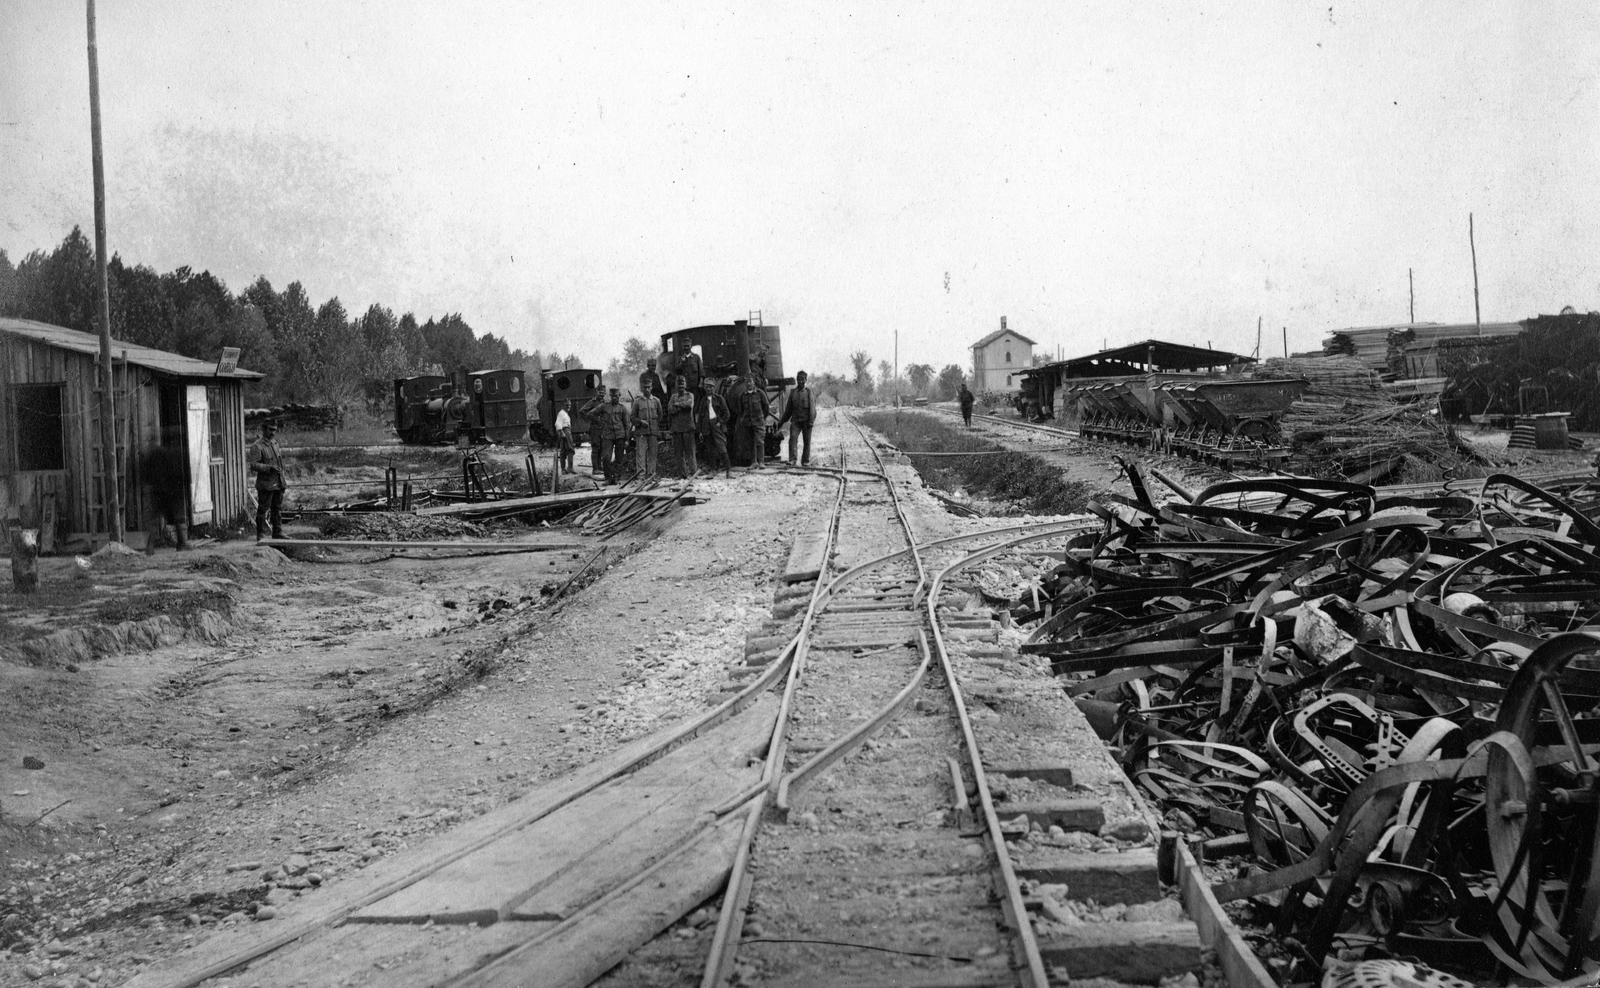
[246,329]
[60,289]
[828,385]
[920,375]
[624,371]
[885,372]
[451,343]
[949,382]
[141,311]
[415,348]
[267,302]
[331,374]
[861,363]
[8,286]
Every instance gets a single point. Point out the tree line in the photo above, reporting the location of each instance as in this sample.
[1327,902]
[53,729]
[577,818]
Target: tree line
[320,353]
[308,352]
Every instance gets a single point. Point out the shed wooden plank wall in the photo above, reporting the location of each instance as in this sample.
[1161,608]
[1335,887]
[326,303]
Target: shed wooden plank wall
[137,391]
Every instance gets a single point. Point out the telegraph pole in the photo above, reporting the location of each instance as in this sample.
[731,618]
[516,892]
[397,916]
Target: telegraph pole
[110,496]
[1411,284]
[1477,318]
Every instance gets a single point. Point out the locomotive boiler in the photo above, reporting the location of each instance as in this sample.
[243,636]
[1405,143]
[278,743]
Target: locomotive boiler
[475,406]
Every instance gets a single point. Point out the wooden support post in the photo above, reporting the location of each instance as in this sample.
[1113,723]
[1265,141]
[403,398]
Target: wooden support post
[555,471]
[405,497]
[25,559]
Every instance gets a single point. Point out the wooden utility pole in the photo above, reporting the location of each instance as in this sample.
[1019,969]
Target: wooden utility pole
[1411,284]
[1286,343]
[1477,318]
[110,497]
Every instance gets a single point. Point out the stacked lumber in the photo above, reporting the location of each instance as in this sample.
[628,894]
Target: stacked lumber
[1409,349]
[1347,425]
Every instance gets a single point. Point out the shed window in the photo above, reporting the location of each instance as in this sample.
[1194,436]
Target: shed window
[214,407]
[1008,356]
[41,436]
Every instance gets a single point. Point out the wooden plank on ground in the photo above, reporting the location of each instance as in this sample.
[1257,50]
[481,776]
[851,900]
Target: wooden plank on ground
[572,849]
[333,903]
[1127,876]
[1141,953]
[573,499]
[1239,962]
[396,544]
[807,557]
[582,949]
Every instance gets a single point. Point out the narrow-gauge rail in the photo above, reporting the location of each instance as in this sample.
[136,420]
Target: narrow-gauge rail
[907,875]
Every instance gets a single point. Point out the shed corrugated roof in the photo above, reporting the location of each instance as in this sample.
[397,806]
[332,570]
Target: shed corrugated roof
[142,356]
[999,333]
[1167,357]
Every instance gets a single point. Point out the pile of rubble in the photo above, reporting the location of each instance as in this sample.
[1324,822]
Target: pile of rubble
[1370,715]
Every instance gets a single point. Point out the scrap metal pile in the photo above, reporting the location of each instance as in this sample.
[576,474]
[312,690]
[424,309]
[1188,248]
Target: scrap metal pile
[1377,717]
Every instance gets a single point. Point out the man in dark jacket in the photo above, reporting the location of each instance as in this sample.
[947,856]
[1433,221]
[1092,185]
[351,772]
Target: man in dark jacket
[753,410]
[265,460]
[680,418]
[712,414]
[800,412]
[166,485]
[966,405]
[613,423]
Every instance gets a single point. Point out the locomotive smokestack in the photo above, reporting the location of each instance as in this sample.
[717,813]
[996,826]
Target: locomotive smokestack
[741,347]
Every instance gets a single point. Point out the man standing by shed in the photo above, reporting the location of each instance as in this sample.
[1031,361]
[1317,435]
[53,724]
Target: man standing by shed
[646,426]
[800,412]
[753,411]
[680,411]
[265,460]
[967,401]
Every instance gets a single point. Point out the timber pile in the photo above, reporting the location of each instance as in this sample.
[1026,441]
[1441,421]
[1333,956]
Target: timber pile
[1348,426]
[1410,349]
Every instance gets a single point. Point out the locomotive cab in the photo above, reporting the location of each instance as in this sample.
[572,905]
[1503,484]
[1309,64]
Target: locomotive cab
[579,385]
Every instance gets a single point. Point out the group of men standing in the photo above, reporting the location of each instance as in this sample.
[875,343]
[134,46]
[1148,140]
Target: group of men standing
[688,417]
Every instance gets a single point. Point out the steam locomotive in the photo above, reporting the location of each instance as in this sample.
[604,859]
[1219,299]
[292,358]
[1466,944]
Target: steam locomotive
[474,406]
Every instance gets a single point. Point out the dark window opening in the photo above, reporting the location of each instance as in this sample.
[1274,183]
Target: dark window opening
[41,433]
[214,409]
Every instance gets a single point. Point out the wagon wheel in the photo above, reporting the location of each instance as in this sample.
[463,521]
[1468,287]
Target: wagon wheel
[1284,826]
[1529,940]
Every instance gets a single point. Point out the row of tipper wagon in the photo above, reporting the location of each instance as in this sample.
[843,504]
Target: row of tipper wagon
[1225,422]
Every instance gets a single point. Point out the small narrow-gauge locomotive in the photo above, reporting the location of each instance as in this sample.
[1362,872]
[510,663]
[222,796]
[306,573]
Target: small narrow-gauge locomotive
[719,357]
[478,406]
[579,385]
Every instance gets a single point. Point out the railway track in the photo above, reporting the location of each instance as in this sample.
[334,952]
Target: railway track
[843,796]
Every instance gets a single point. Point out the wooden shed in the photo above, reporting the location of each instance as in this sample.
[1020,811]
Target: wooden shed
[50,464]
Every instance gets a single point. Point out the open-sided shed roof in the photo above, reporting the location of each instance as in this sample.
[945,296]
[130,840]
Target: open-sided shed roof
[1131,359]
[141,356]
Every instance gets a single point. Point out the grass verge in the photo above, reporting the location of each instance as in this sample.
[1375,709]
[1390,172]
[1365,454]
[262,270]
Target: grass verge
[1028,483]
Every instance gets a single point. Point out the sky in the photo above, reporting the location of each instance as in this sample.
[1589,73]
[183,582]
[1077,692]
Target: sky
[569,175]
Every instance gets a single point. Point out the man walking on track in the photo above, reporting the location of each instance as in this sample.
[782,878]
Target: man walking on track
[800,412]
[966,405]
[680,411]
[646,426]
[266,462]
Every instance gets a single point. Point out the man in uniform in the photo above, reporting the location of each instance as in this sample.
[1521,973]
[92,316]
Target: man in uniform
[713,416]
[564,435]
[646,426]
[265,461]
[966,405]
[680,412]
[753,409]
[800,412]
[659,389]
[611,419]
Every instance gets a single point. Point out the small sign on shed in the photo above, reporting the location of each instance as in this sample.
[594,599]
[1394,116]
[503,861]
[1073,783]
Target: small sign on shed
[228,362]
